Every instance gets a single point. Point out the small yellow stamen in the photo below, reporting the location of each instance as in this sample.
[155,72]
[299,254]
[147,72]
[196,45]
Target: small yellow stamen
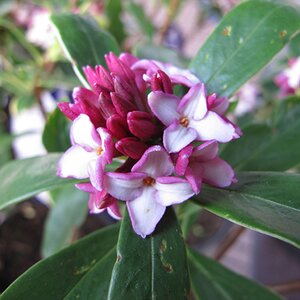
[184,121]
[149,181]
[99,151]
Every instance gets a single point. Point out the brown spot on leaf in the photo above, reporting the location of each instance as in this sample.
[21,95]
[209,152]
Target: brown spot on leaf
[227,31]
[282,34]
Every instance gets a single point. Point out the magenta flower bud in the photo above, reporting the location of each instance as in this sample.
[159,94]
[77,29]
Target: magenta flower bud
[117,126]
[123,88]
[119,68]
[71,111]
[106,105]
[141,124]
[131,147]
[161,82]
[121,105]
[105,78]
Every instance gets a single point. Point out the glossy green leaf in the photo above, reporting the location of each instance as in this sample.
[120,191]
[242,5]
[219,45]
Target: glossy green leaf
[81,271]
[65,216]
[151,268]
[83,41]
[210,281]
[21,179]
[265,148]
[245,41]
[267,202]
[143,21]
[56,136]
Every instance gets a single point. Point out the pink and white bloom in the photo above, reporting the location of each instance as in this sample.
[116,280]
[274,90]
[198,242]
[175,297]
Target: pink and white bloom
[202,165]
[177,75]
[148,189]
[189,119]
[91,150]
[289,79]
[99,201]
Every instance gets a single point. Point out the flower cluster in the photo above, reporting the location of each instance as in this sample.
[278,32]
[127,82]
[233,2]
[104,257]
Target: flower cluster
[289,79]
[168,143]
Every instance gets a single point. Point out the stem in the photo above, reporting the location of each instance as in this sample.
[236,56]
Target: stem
[173,6]
[231,238]
[287,287]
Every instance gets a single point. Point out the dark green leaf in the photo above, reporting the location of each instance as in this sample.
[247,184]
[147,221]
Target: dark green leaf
[210,281]
[265,148]
[267,202]
[84,42]
[245,41]
[5,148]
[67,213]
[21,179]
[56,137]
[81,271]
[151,268]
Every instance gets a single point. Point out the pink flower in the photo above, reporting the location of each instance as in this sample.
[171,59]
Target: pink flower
[177,75]
[91,150]
[189,119]
[202,165]
[100,201]
[148,189]
[289,79]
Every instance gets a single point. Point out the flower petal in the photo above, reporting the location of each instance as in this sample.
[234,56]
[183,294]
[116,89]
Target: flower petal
[213,127]
[107,144]
[176,137]
[145,212]
[164,106]
[74,163]
[217,172]
[172,190]
[206,151]
[96,172]
[193,175]
[193,104]
[124,186]
[83,133]
[155,162]
[183,160]
[114,212]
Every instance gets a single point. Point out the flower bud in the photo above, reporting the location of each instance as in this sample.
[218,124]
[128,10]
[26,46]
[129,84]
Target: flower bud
[117,126]
[106,105]
[121,105]
[141,125]
[131,147]
[160,81]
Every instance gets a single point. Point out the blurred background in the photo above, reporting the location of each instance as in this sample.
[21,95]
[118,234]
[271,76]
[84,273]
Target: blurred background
[35,75]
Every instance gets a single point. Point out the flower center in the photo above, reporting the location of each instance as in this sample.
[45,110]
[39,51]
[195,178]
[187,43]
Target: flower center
[149,181]
[184,121]
[99,151]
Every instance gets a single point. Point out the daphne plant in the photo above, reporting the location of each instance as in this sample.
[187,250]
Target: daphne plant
[153,135]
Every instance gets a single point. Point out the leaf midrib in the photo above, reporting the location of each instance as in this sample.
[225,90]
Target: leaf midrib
[220,69]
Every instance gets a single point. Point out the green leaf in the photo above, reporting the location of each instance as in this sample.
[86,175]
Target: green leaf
[68,213]
[210,281]
[143,21]
[245,41]
[114,11]
[84,42]
[267,202]
[56,136]
[5,147]
[21,179]
[150,268]
[265,148]
[149,51]
[81,271]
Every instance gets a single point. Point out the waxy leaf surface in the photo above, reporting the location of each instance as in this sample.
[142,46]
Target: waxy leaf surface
[267,202]
[81,271]
[83,41]
[210,281]
[246,39]
[151,268]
